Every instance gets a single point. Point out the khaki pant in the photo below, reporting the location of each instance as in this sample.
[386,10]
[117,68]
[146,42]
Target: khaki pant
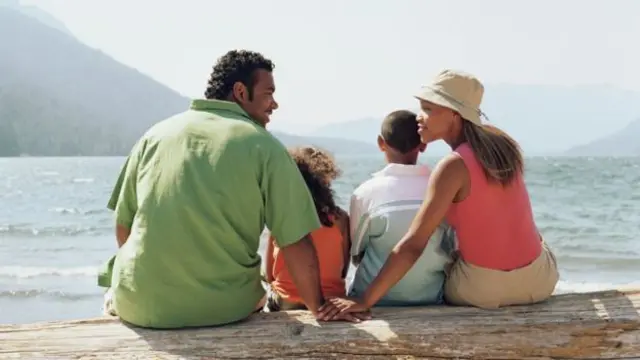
[468,284]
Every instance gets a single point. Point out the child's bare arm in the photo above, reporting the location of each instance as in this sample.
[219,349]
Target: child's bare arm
[343,223]
[269,260]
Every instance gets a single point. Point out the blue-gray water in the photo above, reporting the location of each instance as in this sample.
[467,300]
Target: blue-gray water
[55,230]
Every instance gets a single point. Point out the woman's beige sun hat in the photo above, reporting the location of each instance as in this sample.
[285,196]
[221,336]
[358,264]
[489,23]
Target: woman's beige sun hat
[456,90]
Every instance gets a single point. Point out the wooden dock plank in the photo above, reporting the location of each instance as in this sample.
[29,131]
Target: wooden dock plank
[600,325]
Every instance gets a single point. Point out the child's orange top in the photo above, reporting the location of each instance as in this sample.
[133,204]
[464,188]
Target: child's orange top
[330,249]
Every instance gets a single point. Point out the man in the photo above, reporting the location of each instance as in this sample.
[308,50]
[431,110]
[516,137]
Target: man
[193,198]
[382,209]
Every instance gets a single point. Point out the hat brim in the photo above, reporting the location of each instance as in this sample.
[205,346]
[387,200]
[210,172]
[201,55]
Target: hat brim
[434,96]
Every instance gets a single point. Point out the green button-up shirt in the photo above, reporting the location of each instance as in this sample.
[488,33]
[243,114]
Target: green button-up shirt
[196,191]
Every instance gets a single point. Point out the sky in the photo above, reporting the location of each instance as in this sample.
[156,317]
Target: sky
[340,60]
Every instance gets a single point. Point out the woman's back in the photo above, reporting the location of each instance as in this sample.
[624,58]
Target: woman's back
[494,223]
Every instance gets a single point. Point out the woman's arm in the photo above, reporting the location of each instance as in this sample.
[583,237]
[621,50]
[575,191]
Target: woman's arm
[269,258]
[445,183]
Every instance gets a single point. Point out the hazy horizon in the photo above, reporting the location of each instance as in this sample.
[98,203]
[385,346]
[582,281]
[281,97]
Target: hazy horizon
[326,72]
[548,86]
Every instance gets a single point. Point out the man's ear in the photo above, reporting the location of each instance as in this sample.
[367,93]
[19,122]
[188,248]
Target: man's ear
[422,147]
[382,145]
[240,93]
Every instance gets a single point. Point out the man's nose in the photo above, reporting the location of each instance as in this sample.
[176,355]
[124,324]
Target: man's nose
[275,105]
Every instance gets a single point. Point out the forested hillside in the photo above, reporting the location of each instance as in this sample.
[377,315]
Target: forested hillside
[59,97]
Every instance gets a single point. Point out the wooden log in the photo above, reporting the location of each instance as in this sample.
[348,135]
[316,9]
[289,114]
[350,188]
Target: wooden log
[601,325]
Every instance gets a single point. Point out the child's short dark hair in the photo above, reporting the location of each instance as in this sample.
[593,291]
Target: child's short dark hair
[400,130]
[318,169]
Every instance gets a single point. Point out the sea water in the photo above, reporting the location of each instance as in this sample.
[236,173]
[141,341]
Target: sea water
[55,229]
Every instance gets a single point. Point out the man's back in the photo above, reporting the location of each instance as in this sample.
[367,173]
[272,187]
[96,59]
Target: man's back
[200,188]
[382,211]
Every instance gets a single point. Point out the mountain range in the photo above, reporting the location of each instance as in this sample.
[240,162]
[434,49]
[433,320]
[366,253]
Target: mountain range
[59,97]
[37,14]
[544,119]
[621,143]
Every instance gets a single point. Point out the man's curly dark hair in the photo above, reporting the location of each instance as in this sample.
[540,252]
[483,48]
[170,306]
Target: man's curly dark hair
[234,66]
[318,169]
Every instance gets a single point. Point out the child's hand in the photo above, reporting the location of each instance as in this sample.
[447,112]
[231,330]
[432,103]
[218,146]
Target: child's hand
[343,309]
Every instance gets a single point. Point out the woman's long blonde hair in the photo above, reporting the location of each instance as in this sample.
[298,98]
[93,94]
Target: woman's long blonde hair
[499,154]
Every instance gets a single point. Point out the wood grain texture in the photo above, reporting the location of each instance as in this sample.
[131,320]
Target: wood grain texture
[601,325]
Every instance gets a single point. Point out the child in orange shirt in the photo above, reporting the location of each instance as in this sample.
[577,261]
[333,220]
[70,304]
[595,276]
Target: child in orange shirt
[331,241]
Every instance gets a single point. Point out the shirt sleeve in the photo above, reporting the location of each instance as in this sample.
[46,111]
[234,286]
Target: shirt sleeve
[290,212]
[123,198]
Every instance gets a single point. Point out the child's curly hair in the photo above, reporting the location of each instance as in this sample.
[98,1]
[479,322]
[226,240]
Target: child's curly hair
[318,169]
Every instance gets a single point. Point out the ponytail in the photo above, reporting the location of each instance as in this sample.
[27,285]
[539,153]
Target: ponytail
[499,154]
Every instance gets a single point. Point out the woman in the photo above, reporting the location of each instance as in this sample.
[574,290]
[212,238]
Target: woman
[479,190]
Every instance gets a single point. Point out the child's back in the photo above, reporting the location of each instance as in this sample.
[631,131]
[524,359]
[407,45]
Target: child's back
[331,241]
[330,244]
[382,210]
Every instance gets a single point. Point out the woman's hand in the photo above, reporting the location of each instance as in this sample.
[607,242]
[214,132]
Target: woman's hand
[344,309]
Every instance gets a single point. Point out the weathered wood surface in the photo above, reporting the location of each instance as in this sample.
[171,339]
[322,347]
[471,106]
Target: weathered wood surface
[604,325]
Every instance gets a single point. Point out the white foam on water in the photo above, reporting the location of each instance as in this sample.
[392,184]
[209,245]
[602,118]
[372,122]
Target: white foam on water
[48,173]
[63,210]
[83,180]
[564,287]
[26,272]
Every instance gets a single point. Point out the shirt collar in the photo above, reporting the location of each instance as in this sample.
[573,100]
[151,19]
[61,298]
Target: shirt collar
[404,170]
[216,105]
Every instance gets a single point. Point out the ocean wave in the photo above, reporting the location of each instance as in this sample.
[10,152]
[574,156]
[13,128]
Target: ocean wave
[27,230]
[564,287]
[47,173]
[48,294]
[96,211]
[73,210]
[606,261]
[62,210]
[83,180]
[23,272]
[27,272]
[57,295]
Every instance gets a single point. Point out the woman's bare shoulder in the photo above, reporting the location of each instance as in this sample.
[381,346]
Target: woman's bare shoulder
[451,164]
[450,177]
